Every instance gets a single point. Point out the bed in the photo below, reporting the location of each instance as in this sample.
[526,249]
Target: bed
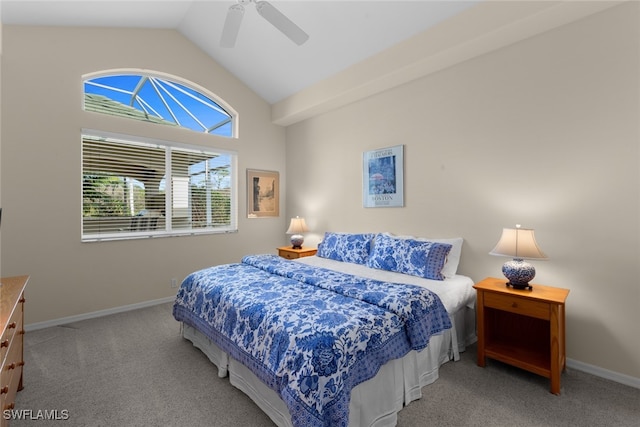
[347,337]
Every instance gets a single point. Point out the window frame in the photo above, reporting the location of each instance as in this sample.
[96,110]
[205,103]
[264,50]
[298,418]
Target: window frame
[168,230]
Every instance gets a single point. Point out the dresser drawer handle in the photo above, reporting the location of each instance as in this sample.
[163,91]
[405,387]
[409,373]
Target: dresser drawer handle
[11,366]
[4,343]
[4,390]
[514,305]
[12,325]
[10,406]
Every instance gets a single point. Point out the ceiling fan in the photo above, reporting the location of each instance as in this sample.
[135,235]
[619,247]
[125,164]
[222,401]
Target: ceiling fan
[268,12]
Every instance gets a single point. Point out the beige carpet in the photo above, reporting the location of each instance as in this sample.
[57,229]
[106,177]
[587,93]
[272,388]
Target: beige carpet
[134,369]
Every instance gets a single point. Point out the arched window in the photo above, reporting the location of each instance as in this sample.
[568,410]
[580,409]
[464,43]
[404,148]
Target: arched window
[157,99]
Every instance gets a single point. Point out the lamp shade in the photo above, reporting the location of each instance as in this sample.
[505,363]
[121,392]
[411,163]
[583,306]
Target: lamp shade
[518,243]
[296,227]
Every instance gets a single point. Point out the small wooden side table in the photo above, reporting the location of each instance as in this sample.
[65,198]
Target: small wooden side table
[289,253]
[524,328]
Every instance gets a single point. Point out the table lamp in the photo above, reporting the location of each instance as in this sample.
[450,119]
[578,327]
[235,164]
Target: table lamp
[296,227]
[520,244]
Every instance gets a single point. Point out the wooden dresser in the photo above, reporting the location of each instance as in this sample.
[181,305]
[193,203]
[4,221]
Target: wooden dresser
[11,340]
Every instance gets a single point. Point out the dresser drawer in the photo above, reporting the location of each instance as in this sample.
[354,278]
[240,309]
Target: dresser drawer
[13,326]
[4,347]
[517,305]
[7,391]
[10,387]
[5,387]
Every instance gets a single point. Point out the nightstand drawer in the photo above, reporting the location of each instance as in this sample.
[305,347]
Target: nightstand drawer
[289,255]
[517,305]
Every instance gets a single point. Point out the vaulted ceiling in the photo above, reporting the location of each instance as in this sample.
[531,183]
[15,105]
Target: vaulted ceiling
[341,33]
[365,45]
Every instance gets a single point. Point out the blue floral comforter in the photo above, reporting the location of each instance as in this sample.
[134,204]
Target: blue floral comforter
[309,333]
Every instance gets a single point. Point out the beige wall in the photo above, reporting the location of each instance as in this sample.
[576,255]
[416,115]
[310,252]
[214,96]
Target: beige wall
[41,169]
[543,133]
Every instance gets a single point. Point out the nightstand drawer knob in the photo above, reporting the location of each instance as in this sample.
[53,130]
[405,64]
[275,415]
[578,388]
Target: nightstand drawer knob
[514,305]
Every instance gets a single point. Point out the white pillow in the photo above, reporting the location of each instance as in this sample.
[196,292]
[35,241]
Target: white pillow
[453,259]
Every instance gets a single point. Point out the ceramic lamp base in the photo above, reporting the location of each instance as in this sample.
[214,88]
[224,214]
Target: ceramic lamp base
[519,272]
[296,241]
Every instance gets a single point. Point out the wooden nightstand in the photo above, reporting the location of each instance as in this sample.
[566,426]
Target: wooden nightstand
[289,253]
[524,328]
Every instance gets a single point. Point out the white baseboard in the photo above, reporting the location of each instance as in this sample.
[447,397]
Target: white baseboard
[604,373]
[99,313]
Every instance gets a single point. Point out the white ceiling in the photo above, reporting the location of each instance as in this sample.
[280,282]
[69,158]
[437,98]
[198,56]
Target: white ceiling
[342,33]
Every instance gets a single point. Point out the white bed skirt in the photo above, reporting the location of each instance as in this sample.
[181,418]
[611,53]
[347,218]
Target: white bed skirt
[374,403]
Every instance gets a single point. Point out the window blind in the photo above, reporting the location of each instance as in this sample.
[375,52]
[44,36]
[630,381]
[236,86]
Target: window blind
[133,189]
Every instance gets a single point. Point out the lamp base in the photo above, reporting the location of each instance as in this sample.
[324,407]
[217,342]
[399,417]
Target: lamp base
[296,241]
[521,286]
[519,272]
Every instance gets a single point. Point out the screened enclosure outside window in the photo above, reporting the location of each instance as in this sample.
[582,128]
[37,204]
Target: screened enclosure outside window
[157,99]
[133,189]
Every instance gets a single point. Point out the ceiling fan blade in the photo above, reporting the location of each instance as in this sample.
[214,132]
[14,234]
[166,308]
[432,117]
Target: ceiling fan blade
[281,22]
[232,26]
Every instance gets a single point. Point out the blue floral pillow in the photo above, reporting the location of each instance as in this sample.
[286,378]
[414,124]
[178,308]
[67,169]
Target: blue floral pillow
[346,247]
[415,257]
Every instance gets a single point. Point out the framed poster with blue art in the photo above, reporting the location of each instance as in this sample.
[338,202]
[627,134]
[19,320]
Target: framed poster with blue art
[383,177]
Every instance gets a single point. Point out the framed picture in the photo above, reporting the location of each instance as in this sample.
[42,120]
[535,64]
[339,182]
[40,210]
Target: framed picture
[383,177]
[263,193]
